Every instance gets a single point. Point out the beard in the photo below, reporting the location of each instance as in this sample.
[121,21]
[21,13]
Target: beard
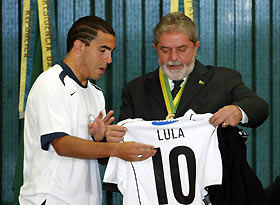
[177,74]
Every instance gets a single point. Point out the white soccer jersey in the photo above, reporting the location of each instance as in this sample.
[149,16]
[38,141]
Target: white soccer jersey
[59,105]
[187,160]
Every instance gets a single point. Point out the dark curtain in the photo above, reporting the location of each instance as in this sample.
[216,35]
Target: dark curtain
[240,34]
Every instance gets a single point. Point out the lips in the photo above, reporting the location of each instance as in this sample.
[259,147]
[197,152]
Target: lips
[102,70]
[174,66]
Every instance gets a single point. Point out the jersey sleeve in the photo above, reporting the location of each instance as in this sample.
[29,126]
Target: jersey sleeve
[115,173]
[213,163]
[52,112]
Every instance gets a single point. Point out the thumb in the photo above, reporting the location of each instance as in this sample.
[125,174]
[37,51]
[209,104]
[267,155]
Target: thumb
[100,115]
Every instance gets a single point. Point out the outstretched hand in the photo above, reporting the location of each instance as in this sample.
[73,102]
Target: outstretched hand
[228,115]
[134,151]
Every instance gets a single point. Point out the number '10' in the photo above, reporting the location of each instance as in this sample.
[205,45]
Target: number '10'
[175,175]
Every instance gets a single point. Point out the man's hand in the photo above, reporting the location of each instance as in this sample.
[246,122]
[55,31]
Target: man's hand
[98,127]
[228,115]
[115,133]
[134,151]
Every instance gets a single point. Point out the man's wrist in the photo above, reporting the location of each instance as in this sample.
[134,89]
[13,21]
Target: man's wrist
[244,117]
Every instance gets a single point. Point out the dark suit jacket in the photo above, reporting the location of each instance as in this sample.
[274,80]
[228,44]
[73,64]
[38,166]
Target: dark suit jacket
[207,90]
[240,185]
[272,192]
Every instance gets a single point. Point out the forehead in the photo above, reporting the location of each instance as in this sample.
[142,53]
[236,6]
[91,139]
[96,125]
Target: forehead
[104,39]
[170,39]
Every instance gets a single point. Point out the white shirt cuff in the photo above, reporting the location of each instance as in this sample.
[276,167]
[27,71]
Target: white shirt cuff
[244,117]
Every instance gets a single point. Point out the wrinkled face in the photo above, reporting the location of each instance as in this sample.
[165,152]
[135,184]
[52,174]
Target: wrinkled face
[176,54]
[97,55]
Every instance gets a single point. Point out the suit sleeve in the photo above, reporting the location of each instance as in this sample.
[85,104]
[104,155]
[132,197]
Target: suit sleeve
[254,106]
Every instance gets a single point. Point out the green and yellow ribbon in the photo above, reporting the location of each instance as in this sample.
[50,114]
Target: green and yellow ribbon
[188,7]
[30,32]
[29,27]
[171,105]
[47,31]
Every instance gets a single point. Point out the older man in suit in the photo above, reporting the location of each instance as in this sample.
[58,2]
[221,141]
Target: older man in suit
[182,83]
[203,89]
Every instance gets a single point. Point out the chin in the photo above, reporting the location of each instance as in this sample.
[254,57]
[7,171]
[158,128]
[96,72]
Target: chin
[95,77]
[178,74]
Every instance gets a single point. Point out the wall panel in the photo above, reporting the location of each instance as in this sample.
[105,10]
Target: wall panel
[262,83]
[10,76]
[119,67]
[243,53]
[225,34]
[206,51]
[275,84]
[65,18]
[152,16]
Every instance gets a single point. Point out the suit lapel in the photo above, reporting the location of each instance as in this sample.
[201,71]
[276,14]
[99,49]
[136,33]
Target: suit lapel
[152,86]
[196,81]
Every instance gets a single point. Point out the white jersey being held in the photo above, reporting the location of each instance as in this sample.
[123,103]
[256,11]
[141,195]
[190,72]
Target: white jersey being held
[186,162]
[58,105]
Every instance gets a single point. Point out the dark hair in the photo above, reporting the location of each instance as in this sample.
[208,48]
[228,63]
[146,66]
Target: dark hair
[85,29]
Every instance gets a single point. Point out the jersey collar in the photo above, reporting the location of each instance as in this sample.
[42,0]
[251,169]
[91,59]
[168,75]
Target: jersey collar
[70,73]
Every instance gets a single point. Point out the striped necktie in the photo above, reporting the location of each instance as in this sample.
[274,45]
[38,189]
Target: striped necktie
[177,87]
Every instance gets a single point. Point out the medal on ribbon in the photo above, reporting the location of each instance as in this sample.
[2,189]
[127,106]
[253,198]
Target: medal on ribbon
[171,105]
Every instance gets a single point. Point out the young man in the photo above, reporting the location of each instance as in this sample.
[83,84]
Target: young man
[64,126]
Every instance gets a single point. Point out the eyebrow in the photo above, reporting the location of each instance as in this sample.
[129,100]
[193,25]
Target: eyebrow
[106,47]
[182,46]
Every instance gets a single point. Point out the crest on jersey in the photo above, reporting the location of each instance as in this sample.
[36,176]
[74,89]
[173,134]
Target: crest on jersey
[164,122]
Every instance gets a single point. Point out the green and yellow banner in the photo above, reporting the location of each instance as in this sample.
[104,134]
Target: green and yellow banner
[29,26]
[188,7]
[34,11]
[47,31]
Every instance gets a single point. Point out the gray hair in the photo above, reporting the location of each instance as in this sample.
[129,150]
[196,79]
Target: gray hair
[176,21]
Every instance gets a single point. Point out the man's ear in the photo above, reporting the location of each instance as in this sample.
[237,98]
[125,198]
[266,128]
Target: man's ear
[78,46]
[196,46]
[155,46]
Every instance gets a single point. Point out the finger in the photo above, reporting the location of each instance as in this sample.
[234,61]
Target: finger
[108,116]
[100,115]
[224,124]
[144,156]
[116,129]
[215,122]
[109,122]
[141,157]
[142,148]
[217,119]
[115,134]
[147,153]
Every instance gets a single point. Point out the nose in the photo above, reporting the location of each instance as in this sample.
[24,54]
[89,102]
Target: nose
[108,57]
[173,55]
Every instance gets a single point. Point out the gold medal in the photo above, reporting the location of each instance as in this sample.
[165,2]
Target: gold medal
[170,116]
